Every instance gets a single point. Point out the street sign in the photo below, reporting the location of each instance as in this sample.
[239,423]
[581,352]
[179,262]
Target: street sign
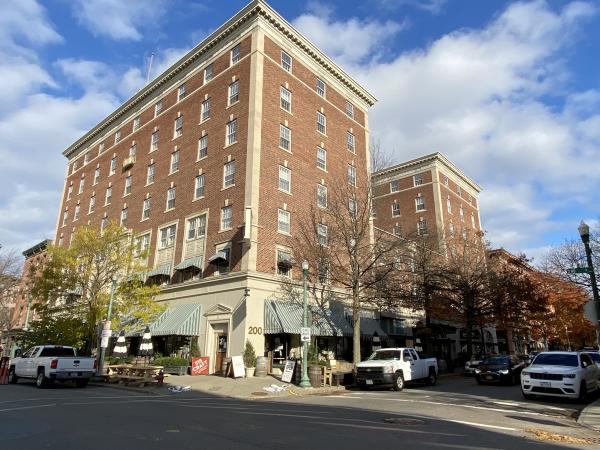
[305,334]
[578,270]
[105,337]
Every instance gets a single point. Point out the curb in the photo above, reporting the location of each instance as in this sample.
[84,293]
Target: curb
[586,414]
[123,388]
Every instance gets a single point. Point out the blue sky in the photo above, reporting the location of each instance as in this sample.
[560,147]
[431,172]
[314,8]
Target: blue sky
[509,91]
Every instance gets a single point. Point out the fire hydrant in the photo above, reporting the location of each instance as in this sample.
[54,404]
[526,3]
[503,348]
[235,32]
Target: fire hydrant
[160,378]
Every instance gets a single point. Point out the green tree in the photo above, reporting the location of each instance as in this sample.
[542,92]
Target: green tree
[75,283]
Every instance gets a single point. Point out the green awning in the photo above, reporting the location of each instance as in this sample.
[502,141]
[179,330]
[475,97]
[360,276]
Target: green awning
[286,317]
[165,269]
[196,261]
[369,326]
[178,320]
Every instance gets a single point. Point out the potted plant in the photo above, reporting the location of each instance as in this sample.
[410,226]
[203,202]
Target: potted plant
[249,357]
[172,365]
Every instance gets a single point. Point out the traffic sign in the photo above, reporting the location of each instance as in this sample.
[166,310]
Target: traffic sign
[578,270]
[305,334]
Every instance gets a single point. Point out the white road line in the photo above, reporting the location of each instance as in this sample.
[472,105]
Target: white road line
[507,403]
[27,407]
[339,396]
[482,425]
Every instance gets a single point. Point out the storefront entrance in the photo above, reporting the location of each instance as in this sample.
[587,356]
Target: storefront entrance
[221,353]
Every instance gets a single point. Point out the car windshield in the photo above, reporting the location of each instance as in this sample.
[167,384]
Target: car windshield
[497,360]
[595,357]
[556,359]
[385,355]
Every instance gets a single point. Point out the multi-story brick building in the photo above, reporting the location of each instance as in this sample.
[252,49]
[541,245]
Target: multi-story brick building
[427,195]
[211,164]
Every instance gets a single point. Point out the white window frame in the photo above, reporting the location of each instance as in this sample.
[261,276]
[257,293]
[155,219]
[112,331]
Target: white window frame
[167,236]
[81,185]
[203,147]
[422,227]
[108,196]
[351,142]
[208,73]
[473,221]
[285,179]
[322,162]
[322,234]
[417,179]
[231,132]
[133,150]
[77,212]
[199,184]
[321,123]
[178,127]
[157,108]
[285,138]
[171,196]
[150,173]
[70,192]
[448,205]
[234,93]
[96,176]
[86,158]
[205,110]
[349,109]
[321,90]
[395,209]
[286,61]
[124,216]
[117,136]
[136,123]
[235,55]
[154,140]
[397,230]
[142,244]
[65,217]
[284,221]
[419,203]
[101,148]
[226,222]
[92,204]
[128,185]
[321,196]
[146,205]
[229,174]
[181,92]
[285,99]
[462,213]
[195,227]
[394,186]
[283,272]
[174,165]
[352,177]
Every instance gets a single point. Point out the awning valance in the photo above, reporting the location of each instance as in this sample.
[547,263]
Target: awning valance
[218,258]
[196,261]
[287,317]
[165,269]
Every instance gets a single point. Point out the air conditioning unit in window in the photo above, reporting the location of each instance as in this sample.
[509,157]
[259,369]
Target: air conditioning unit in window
[128,162]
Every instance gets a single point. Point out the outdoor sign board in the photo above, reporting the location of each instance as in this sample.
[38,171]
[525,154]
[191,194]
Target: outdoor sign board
[288,371]
[238,366]
[305,334]
[105,337]
[200,365]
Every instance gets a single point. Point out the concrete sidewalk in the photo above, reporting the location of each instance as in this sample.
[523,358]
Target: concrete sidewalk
[590,416]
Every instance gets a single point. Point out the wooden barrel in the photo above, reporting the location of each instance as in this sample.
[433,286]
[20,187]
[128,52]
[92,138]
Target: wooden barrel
[224,364]
[261,367]
[315,375]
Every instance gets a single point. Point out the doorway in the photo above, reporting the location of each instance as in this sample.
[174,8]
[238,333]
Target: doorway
[221,351]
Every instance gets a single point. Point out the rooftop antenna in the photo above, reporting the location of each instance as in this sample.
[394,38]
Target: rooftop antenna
[149,68]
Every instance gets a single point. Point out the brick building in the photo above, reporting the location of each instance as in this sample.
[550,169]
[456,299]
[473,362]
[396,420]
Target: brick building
[211,164]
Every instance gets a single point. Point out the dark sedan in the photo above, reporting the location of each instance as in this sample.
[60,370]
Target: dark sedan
[500,369]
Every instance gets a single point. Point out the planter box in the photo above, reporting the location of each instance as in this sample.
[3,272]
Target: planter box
[175,370]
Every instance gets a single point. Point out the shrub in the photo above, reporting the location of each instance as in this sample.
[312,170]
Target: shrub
[170,361]
[249,355]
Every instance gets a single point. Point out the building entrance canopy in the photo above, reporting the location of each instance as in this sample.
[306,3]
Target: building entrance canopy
[283,317]
[177,320]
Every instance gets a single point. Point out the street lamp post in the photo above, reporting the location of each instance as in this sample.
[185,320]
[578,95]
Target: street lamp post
[106,327]
[304,381]
[584,232]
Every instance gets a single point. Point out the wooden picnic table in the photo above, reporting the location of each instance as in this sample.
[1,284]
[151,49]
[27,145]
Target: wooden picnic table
[129,373]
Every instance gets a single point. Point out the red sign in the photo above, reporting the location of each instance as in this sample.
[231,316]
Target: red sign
[200,365]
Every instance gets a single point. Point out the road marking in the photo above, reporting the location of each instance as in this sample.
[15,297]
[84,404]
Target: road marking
[388,428]
[507,403]
[28,407]
[338,396]
[483,425]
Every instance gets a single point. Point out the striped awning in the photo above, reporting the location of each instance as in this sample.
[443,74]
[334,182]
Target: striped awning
[196,261]
[368,327]
[218,257]
[165,269]
[287,318]
[178,320]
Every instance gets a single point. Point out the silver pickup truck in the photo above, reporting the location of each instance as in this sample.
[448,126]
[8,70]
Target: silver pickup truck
[395,367]
[48,363]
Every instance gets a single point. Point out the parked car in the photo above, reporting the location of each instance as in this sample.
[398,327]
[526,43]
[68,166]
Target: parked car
[595,355]
[560,374]
[499,369]
[530,357]
[473,364]
[395,367]
[48,363]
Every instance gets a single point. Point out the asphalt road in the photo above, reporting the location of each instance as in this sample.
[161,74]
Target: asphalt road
[100,417]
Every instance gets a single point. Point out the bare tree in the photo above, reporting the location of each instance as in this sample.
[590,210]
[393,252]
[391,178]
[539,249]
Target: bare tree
[10,270]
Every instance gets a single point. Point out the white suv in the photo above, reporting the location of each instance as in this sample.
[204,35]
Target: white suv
[560,374]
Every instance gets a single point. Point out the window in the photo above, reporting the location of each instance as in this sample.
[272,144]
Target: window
[103,224]
[226,218]
[136,124]
[352,207]
[70,192]
[397,230]
[208,73]
[81,185]
[157,108]
[222,265]
[203,146]
[451,228]
[60,243]
[286,61]
[146,209]
[142,244]
[449,205]
[229,174]
[199,187]
[321,87]
[65,217]
[350,142]
[77,211]
[154,141]
[321,196]
[283,221]
[462,213]
[285,179]
[459,191]
[123,220]
[285,99]
[231,137]
[171,198]
[394,186]
[178,127]
[113,166]
[234,92]
[422,227]
[322,234]
[321,123]
[445,180]
[86,158]
[196,227]
[351,175]
[321,158]
[117,136]
[417,180]
[92,204]
[472,220]
[108,196]
[96,176]
[101,148]
[150,173]
[395,209]
[167,237]
[174,161]
[420,203]
[181,92]
[285,137]
[284,263]
[235,54]
[205,110]
[128,183]
[74,167]
[463,233]
[323,271]
[349,109]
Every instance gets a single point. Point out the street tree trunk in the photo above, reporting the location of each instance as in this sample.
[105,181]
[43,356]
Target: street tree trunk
[355,326]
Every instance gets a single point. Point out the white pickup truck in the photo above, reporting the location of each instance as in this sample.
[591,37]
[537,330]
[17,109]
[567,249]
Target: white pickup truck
[394,367]
[48,363]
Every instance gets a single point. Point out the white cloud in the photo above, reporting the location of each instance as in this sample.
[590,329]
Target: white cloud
[117,19]
[432,6]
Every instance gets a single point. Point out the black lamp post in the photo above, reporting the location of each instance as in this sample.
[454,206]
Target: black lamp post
[584,232]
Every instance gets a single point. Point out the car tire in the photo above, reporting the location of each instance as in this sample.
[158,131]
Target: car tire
[432,378]
[82,382]
[398,382]
[41,381]
[478,380]
[12,376]
[583,394]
